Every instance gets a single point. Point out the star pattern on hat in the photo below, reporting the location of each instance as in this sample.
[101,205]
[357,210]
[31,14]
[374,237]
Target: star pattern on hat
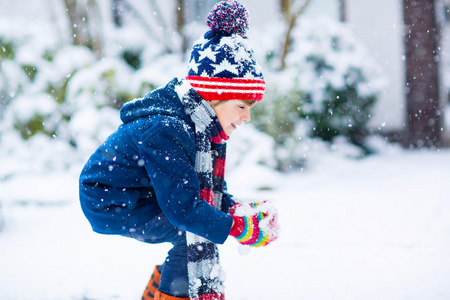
[225,65]
[193,65]
[229,41]
[207,53]
[215,55]
[243,55]
[248,75]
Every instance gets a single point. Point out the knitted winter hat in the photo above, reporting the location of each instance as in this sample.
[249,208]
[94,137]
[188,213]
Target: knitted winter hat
[223,65]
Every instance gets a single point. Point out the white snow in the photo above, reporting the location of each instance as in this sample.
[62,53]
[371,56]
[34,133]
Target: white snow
[377,228]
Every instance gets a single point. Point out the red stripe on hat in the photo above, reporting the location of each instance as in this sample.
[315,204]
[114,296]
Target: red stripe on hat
[209,96]
[238,85]
[212,88]
[219,80]
[244,86]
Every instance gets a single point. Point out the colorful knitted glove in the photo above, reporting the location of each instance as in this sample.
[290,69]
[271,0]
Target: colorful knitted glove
[255,224]
[246,230]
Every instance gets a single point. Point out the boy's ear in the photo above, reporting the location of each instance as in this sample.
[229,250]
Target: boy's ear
[213,103]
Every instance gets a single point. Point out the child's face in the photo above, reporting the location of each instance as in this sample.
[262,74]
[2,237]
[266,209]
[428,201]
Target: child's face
[231,114]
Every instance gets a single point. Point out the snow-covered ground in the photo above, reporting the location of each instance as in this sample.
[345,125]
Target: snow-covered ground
[377,228]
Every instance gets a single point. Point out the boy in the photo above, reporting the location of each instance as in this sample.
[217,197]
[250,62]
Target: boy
[159,177]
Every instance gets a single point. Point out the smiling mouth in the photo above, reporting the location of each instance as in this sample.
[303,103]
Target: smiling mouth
[234,126]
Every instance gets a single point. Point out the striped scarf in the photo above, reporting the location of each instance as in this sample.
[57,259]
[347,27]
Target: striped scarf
[204,270]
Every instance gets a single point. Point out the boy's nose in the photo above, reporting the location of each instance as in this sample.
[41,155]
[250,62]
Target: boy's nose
[246,116]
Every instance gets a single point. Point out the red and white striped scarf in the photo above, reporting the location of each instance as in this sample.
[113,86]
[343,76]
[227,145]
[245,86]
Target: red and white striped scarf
[204,269]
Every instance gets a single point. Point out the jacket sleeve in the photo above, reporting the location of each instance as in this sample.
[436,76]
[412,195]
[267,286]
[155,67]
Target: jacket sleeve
[168,155]
[227,200]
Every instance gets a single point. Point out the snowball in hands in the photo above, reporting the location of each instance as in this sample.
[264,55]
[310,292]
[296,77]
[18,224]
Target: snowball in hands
[255,224]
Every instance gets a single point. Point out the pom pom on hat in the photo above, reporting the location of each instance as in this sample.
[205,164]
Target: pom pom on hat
[222,64]
[229,17]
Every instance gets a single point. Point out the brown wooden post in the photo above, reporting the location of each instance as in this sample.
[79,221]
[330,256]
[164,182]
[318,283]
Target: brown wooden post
[423,99]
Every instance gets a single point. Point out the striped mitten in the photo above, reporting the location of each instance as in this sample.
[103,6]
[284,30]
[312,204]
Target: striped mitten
[255,224]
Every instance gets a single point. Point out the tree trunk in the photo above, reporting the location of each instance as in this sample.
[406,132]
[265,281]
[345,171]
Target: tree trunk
[117,9]
[423,101]
[95,21]
[286,9]
[342,11]
[85,25]
[290,18]
[74,22]
[180,13]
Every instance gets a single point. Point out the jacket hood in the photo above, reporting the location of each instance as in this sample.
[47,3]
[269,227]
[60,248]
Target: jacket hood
[162,101]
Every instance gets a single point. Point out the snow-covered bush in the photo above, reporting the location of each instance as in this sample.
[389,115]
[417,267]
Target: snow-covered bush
[40,106]
[327,89]
[30,115]
[279,115]
[54,92]
[12,76]
[339,78]
[42,87]
[67,93]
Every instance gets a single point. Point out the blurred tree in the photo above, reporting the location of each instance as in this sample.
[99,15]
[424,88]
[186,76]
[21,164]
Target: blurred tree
[423,99]
[181,22]
[117,7]
[342,11]
[290,9]
[84,21]
[154,23]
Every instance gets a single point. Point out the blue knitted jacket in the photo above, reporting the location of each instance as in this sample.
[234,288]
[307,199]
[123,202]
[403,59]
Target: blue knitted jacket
[147,166]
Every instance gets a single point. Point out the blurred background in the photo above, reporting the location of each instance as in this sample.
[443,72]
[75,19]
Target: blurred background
[338,67]
[353,85]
